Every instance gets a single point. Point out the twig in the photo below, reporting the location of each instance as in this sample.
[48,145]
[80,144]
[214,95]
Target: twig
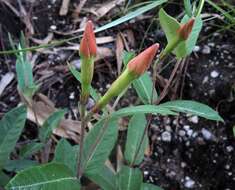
[83,127]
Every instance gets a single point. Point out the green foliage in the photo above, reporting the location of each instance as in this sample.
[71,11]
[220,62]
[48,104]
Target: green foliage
[136,129]
[24,70]
[50,124]
[45,177]
[11,127]
[192,107]
[188,7]
[29,149]
[130,178]
[98,144]
[18,165]
[77,75]
[66,154]
[3,179]
[143,84]
[105,178]
[170,26]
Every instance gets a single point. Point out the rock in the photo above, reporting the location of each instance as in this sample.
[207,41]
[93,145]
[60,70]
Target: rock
[206,134]
[214,74]
[182,133]
[206,50]
[189,183]
[194,119]
[166,136]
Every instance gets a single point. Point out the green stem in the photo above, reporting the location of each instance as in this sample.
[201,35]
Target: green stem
[200,7]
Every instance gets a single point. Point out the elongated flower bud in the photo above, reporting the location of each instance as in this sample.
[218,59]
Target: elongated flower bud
[136,67]
[88,42]
[141,63]
[185,30]
[87,53]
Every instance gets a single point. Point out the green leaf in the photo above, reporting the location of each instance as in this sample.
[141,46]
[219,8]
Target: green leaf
[51,176]
[131,15]
[77,75]
[11,127]
[148,186]
[143,86]
[4,179]
[193,37]
[25,75]
[169,25]
[98,144]
[192,107]
[18,165]
[130,178]
[30,149]
[135,132]
[234,131]
[144,109]
[127,56]
[188,7]
[51,123]
[105,178]
[67,155]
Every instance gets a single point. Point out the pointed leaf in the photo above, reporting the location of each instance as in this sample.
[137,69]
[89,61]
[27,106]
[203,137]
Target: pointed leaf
[30,149]
[98,145]
[11,127]
[169,25]
[135,132]
[193,37]
[130,178]
[105,178]
[143,86]
[77,75]
[50,124]
[51,176]
[145,109]
[192,107]
[67,155]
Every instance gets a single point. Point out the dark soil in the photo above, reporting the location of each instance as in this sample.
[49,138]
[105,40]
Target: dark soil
[187,152]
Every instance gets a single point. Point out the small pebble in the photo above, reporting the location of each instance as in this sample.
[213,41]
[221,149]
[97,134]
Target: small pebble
[214,74]
[53,27]
[76,63]
[190,132]
[194,119]
[72,96]
[189,183]
[229,148]
[166,136]
[186,127]
[206,50]
[196,49]
[182,133]
[206,134]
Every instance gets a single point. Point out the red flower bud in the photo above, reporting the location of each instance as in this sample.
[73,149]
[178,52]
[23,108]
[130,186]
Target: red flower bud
[88,42]
[139,64]
[185,29]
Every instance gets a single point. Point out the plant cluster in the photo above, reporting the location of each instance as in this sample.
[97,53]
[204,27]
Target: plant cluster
[91,158]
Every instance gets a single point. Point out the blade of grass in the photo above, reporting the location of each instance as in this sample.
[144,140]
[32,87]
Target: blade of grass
[225,13]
